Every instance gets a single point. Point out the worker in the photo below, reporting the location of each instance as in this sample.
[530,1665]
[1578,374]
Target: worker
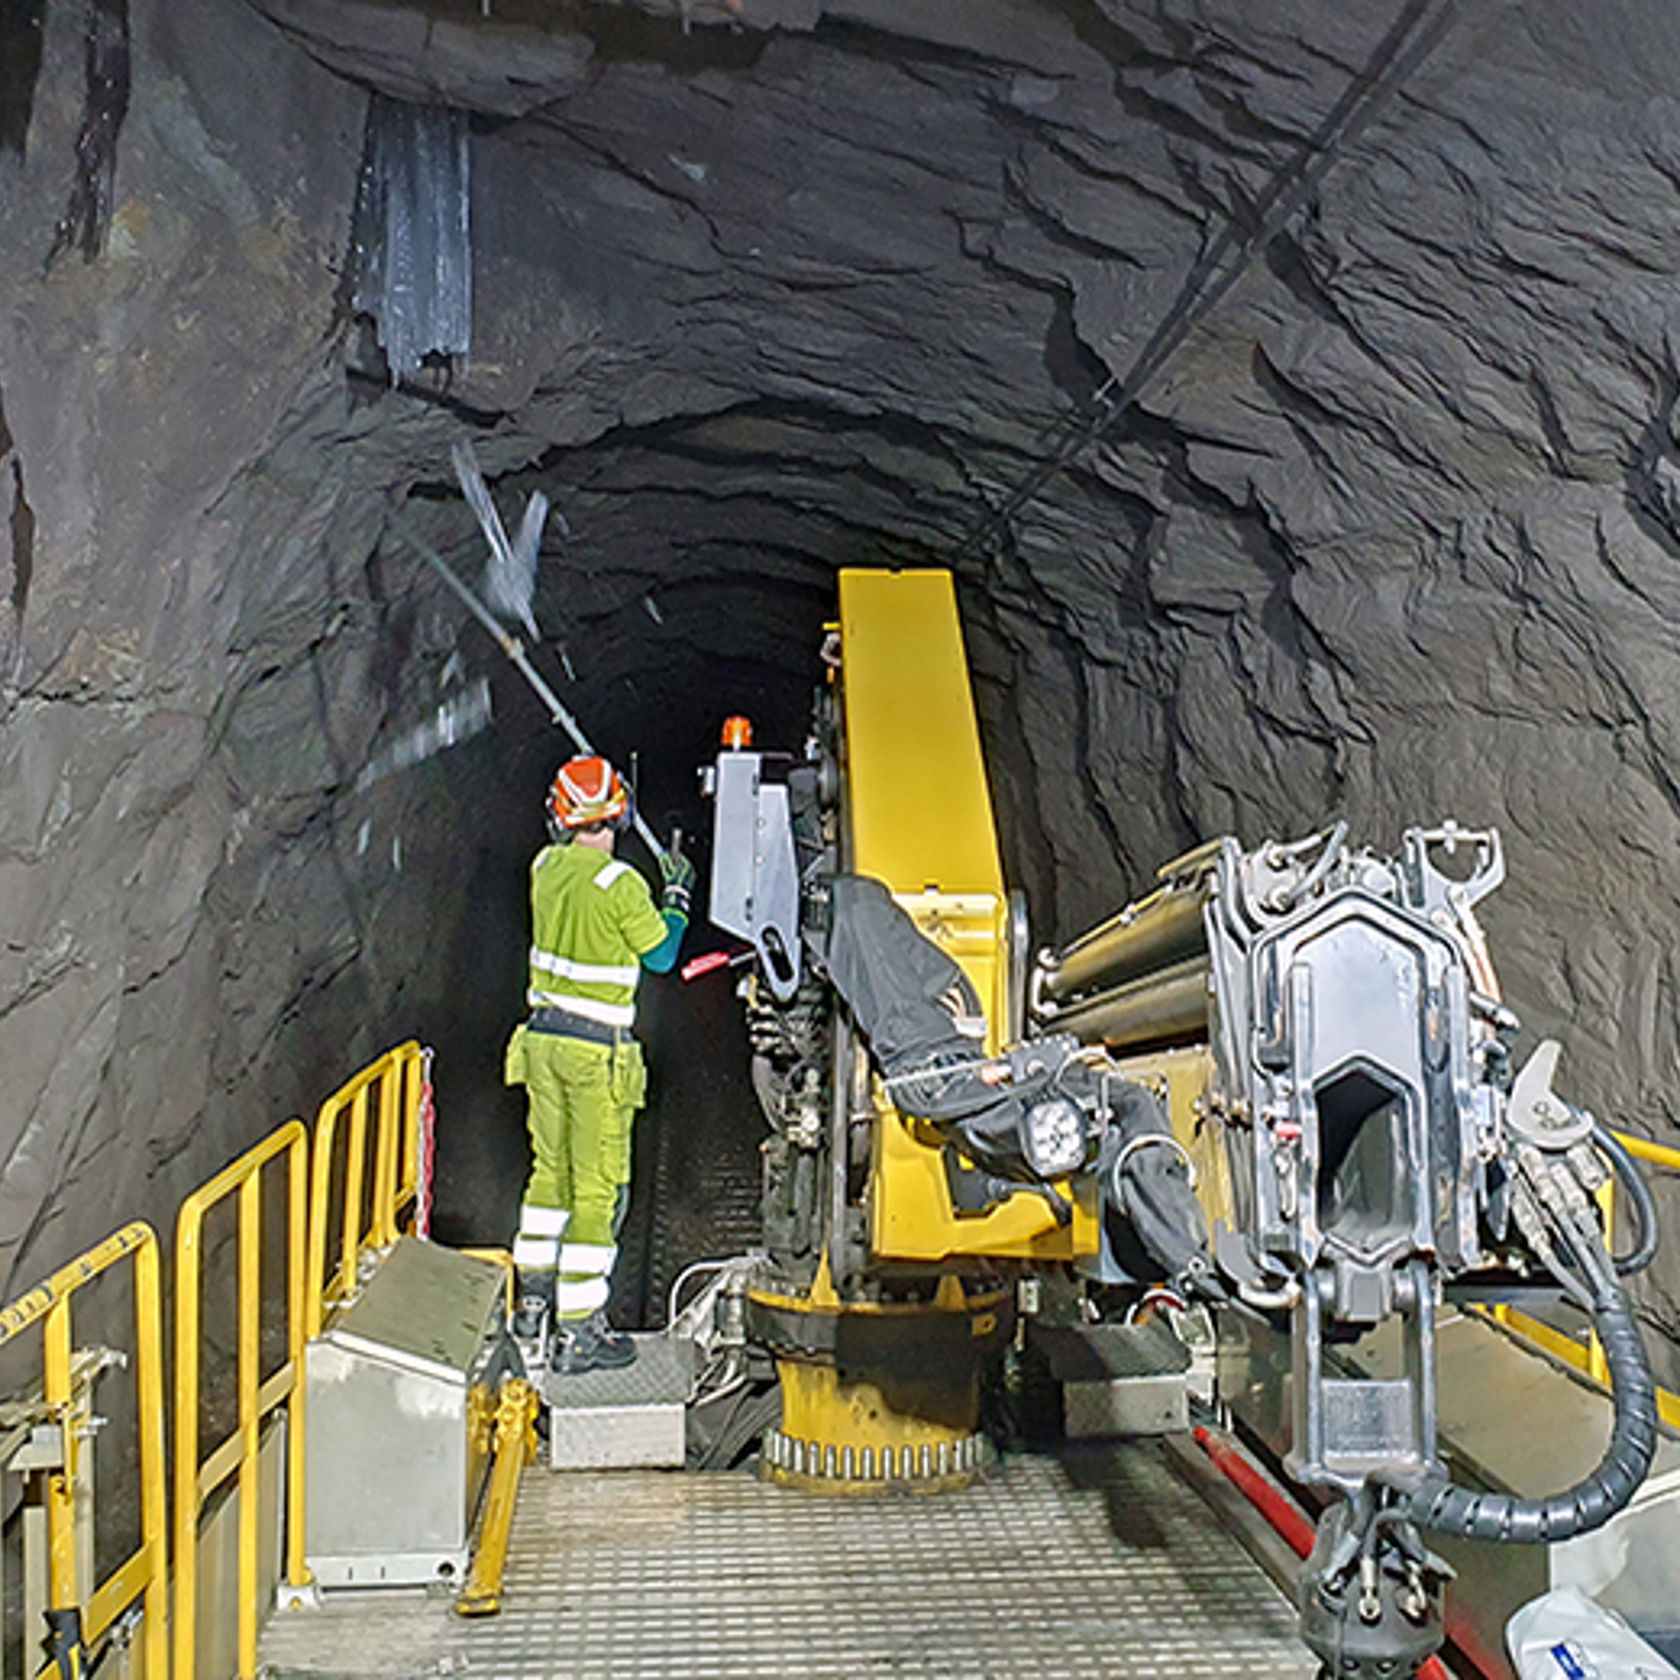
[594,928]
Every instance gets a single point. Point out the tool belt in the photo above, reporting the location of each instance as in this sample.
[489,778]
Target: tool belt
[562,1023]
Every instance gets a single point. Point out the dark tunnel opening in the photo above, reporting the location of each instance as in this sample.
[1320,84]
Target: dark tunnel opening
[651,685]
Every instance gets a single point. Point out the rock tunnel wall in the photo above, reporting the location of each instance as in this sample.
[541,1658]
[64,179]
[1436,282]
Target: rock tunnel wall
[766,288]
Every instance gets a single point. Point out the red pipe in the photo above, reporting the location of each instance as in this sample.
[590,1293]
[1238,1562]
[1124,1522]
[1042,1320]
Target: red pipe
[1291,1522]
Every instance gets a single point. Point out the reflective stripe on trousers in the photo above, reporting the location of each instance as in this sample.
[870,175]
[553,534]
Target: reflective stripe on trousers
[583,1099]
[585,1279]
[536,1246]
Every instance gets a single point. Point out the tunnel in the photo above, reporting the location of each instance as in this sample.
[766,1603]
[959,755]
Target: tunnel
[1291,390]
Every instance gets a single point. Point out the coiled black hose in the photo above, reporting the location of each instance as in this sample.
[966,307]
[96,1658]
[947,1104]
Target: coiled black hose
[1437,1503]
[1639,1199]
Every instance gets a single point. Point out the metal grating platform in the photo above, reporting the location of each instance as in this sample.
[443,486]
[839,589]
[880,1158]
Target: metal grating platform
[1100,1561]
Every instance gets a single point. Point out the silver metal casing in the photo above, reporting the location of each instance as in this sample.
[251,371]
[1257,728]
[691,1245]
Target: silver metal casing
[396,1443]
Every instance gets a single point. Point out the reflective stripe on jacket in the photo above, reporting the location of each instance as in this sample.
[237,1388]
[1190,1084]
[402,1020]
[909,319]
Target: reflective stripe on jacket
[592,918]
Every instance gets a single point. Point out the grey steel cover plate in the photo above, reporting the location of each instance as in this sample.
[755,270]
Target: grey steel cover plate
[1104,1352]
[427,1307]
[1100,1561]
[662,1375]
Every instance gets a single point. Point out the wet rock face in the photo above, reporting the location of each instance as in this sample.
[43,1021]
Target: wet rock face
[1392,532]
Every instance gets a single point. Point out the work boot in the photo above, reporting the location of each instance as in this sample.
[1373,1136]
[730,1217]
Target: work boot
[588,1344]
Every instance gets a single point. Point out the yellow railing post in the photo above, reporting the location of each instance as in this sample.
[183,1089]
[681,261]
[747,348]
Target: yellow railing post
[372,1200]
[297,1335]
[370,1216]
[63,1587]
[355,1192]
[417,1069]
[148,1309]
[188,1277]
[514,1447]
[195,1478]
[250,1413]
[144,1576]
[388,1153]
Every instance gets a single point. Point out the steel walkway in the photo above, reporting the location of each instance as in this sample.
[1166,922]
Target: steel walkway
[1098,1561]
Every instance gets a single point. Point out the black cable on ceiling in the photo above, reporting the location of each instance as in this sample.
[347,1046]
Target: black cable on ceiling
[1409,42]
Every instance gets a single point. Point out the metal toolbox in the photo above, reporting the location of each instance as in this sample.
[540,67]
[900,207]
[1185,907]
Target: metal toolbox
[398,1413]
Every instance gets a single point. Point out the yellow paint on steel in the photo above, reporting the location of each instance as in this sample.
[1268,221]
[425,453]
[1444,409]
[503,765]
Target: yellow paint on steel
[911,1217]
[919,812]
[833,1413]
[1181,1078]
[918,800]
[844,1435]
[1658,1154]
[950,1297]
[398,1078]
[515,1447]
[63,1585]
[1585,1354]
[1567,1350]
[144,1575]
[196,1480]
[351,1228]
[821,1406]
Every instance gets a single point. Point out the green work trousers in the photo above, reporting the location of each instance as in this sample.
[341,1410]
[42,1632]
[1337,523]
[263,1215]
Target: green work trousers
[583,1098]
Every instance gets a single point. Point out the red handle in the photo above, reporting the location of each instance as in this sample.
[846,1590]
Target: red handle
[711,959]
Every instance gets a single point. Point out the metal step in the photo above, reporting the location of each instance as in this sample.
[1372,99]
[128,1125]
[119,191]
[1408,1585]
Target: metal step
[628,1419]
[1118,1379]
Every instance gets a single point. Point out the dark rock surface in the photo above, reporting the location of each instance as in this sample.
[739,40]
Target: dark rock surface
[766,288]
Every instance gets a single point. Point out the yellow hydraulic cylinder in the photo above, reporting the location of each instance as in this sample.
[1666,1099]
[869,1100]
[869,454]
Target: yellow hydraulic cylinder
[515,1446]
[1155,1009]
[1161,931]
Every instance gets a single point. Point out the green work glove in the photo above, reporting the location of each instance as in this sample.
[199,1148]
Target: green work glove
[678,875]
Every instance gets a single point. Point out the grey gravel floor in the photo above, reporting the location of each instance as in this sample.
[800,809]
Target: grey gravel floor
[1100,1561]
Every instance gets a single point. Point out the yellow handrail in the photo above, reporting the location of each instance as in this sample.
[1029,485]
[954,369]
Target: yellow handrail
[366,1219]
[1587,1356]
[515,1446]
[145,1573]
[1658,1154]
[196,1479]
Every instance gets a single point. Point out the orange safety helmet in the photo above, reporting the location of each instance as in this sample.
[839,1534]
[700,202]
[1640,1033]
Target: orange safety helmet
[587,791]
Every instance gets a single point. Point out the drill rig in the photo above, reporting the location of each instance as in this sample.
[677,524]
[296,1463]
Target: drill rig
[1281,1083]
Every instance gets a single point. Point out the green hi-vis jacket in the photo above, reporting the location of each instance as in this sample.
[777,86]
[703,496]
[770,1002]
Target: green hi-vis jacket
[592,920]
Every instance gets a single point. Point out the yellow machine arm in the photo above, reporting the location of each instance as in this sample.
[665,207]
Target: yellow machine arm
[919,813]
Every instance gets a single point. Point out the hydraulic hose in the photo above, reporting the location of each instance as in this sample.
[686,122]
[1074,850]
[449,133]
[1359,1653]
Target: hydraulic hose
[1639,1199]
[1437,1503]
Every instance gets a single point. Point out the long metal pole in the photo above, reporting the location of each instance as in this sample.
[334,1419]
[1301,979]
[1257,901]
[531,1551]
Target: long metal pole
[515,650]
